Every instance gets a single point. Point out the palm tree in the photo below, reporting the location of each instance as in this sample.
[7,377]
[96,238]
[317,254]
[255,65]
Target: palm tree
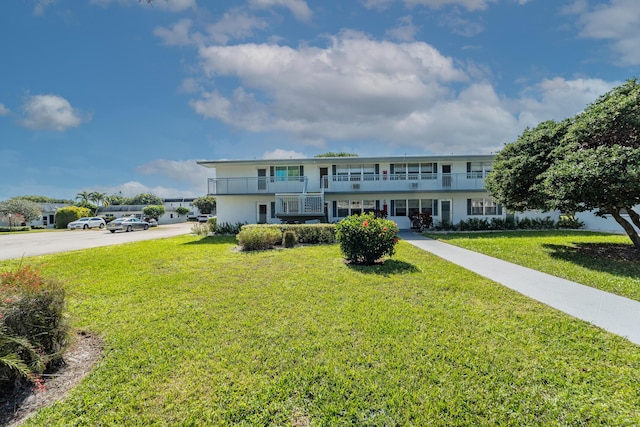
[97,198]
[83,196]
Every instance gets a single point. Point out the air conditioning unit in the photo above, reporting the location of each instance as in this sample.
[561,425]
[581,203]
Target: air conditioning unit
[414,185]
[355,186]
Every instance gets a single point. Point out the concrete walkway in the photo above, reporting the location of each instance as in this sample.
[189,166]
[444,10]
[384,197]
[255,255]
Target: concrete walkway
[611,312]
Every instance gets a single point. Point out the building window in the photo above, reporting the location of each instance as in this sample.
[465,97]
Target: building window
[399,208]
[414,206]
[345,208]
[483,206]
[284,173]
[426,206]
[478,169]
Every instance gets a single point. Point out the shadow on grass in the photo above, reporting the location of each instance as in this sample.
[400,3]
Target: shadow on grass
[386,268]
[213,240]
[615,258]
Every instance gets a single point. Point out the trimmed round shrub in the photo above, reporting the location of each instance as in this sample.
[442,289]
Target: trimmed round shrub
[365,239]
[289,239]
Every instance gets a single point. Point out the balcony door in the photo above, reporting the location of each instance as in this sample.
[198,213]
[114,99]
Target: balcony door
[262,179]
[446,176]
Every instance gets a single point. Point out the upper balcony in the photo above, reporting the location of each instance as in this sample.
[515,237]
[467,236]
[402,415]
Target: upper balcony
[257,185]
[365,183]
[404,182]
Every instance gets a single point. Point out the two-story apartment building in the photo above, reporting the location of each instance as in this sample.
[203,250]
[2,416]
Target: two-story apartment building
[450,188]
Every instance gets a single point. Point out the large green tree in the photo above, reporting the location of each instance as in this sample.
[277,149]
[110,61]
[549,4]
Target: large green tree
[205,204]
[590,162]
[145,199]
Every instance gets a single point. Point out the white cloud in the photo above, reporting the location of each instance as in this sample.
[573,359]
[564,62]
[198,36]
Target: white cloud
[235,24]
[558,99]
[177,35]
[405,30]
[461,26]
[182,171]
[299,8]
[133,188]
[50,112]
[168,5]
[283,154]
[3,110]
[434,4]
[618,22]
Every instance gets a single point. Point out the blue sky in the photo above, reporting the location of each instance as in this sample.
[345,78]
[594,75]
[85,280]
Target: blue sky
[118,96]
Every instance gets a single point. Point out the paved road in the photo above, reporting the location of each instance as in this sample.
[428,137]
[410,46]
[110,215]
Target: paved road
[32,244]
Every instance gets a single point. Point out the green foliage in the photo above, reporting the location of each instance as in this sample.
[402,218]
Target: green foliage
[206,204]
[33,328]
[589,162]
[25,209]
[365,239]
[69,214]
[181,210]
[44,199]
[258,238]
[510,223]
[340,154]
[145,199]
[289,239]
[154,211]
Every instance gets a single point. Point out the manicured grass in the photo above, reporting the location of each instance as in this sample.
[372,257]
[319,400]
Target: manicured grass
[604,261]
[198,334]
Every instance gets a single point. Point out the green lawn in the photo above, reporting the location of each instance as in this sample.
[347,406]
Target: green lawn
[603,261]
[198,334]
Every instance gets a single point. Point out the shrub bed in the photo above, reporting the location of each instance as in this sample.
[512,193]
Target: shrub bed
[33,328]
[312,234]
[258,238]
[483,224]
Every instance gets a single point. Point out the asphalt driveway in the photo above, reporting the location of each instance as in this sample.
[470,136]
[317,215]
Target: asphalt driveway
[21,245]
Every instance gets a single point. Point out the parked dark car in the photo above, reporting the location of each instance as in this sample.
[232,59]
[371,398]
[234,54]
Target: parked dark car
[127,224]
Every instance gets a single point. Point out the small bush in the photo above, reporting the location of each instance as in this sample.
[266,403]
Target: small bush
[10,229]
[364,239]
[258,238]
[569,221]
[212,223]
[69,214]
[33,328]
[312,234]
[181,210]
[228,228]
[289,239]
[200,229]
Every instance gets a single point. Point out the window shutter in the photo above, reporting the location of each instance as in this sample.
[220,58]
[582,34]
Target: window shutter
[333,170]
[435,167]
[499,209]
[468,206]
[391,169]
[273,209]
[271,171]
[435,207]
[301,170]
[377,171]
[392,207]
[335,208]
[468,167]
[377,205]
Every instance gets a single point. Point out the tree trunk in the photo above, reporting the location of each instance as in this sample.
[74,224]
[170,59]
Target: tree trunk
[635,218]
[628,228]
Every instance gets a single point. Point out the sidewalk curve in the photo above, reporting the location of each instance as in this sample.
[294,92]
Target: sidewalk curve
[611,312]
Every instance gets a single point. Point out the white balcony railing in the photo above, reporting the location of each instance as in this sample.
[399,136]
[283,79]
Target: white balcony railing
[257,185]
[403,182]
[299,204]
[348,183]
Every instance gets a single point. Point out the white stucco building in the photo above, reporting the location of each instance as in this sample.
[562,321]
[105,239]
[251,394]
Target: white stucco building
[450,188]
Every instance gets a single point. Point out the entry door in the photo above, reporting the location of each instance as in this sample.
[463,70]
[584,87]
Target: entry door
[446,176]
[262,214]
[262,179]
[445,211]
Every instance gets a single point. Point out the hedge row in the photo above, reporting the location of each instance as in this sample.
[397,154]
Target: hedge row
[512,223]
[307,233]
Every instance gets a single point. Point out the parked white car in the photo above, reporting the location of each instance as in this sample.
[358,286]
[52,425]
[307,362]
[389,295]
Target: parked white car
[86,223]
